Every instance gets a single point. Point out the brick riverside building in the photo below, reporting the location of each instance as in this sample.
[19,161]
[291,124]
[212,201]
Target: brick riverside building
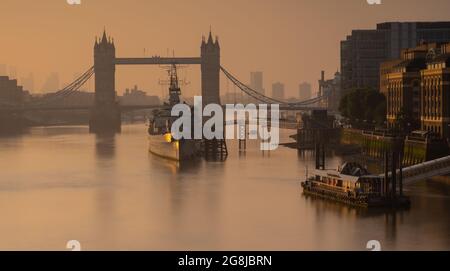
[419,86]
[435,94]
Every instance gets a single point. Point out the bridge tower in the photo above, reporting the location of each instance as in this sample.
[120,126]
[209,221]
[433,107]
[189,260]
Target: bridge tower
[210,68]
[105,115]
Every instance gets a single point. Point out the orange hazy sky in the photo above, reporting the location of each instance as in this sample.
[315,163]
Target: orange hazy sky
[289,40]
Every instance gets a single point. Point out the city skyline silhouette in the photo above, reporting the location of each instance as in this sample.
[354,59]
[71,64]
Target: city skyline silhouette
[289,41]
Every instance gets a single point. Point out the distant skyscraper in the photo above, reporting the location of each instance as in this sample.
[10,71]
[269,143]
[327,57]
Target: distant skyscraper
[27,82]
[3,70]
[51,84]
[304,91]
[12,72]
[256,82]
[278,91]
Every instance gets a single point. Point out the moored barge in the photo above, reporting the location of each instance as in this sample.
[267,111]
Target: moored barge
[354,185]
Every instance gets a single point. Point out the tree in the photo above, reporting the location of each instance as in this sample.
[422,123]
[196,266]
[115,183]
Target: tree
[364,106]
[404,121]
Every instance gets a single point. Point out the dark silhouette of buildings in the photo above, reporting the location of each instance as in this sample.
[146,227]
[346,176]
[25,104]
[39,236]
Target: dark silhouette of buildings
[10,92]
[135,96]
[330,88]
[364,50]
[11,96]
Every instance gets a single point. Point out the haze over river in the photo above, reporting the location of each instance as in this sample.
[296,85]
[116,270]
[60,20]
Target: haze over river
[62,183]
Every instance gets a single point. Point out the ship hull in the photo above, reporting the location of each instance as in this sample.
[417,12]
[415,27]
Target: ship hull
[174,150]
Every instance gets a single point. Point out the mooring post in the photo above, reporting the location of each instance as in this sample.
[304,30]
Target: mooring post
[242,137]
[394,173]
[323,156]
[317,154]
[400,178]
[386,174]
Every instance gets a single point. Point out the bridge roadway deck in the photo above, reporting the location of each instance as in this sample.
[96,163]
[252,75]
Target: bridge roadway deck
[137,107]
[159,61]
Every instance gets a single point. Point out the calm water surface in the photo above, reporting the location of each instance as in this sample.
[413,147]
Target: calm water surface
[62,183]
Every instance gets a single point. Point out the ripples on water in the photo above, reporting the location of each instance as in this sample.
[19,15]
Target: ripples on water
[108,192]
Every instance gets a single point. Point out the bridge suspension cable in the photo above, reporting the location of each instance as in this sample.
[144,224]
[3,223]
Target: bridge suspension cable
[262,98]
[80,81]
[68,90]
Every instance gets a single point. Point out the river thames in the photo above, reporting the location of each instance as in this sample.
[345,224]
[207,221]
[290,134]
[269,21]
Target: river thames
[62,183]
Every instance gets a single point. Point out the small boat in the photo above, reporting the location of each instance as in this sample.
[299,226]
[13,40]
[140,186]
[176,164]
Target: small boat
[352,184]
[161,141]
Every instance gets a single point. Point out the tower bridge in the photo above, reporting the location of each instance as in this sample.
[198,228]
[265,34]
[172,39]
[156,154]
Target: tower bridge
[105,114]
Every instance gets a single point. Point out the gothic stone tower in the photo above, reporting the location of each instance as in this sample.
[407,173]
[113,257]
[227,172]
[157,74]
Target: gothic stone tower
[105,115]
[210,55]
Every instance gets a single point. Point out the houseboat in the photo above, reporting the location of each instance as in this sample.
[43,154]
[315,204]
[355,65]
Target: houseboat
[354,185]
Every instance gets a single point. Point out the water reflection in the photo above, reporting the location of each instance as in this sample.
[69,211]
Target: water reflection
[105,193]
[176,167]
[110,193]
[105,146]
[10,135]
[324,206]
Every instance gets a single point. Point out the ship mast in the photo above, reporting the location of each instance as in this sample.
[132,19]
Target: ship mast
[174,89]
[174,83]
